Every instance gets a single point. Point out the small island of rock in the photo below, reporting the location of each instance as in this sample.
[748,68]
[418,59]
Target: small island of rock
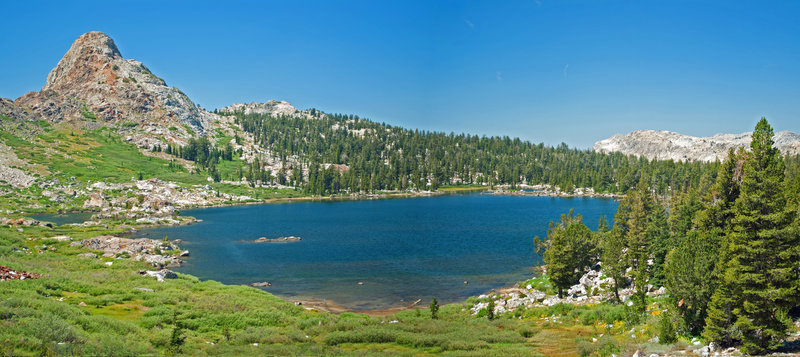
[278,240]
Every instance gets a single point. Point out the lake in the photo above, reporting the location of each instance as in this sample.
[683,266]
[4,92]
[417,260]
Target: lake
[400,250]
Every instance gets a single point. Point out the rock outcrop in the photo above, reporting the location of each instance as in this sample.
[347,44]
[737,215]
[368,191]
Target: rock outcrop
[278,240]
[271,107]
[157,253]
[667,145]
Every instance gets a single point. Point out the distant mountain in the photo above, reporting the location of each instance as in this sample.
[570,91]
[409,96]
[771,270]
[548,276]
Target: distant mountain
[270,107]
[667,145]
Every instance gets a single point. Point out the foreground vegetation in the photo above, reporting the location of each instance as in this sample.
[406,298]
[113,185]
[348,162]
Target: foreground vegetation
[727,250]
[83,306]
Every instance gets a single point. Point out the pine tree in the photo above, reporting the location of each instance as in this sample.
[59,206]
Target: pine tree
[434,308]
[569,251]
[762,274]
[662,242]
[715,221]
[613,258]
[633,216]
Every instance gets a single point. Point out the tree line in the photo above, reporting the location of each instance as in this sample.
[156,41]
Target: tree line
[372,156]
[727,249]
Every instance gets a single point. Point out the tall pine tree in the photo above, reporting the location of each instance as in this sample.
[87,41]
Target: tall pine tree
[761,281]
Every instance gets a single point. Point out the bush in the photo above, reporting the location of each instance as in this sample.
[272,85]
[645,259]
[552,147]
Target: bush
[361,336]
[666,330]
[605,346]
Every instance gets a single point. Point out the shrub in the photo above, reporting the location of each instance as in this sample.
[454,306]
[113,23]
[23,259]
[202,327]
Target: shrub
[434,308]
[490,310]
[666,330]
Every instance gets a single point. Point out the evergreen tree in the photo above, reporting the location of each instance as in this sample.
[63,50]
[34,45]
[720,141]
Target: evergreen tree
[569,251]
[763,271]
[662,242]
[691,278]
[694,266]
[634,216]
[613,258]
[434,308]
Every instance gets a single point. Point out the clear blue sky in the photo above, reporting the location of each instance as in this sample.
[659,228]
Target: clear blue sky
[545,71]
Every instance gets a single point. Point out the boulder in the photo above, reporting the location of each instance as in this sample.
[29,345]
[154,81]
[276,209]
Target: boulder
[60,238]
[95,201]
[162,274]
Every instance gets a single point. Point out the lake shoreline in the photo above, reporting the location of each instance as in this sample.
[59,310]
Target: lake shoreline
[367,304]
[332,307]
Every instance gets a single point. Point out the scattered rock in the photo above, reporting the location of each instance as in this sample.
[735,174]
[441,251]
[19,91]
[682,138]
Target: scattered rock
[7,274]
[148,290]
[82,304]
[87,255]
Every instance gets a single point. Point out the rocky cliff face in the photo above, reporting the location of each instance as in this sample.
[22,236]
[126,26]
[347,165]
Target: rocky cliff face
[93,83]
[667,145]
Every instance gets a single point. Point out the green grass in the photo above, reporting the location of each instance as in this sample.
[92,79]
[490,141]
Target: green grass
[541,283]
[463,188]
[96,155]
[88,113]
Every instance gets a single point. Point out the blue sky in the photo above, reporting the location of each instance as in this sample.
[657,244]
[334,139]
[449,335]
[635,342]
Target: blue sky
[545,71]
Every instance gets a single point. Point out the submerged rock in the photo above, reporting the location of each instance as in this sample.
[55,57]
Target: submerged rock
[262,284]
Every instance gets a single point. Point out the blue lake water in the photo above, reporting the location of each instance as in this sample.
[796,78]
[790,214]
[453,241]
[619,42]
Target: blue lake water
[400,249]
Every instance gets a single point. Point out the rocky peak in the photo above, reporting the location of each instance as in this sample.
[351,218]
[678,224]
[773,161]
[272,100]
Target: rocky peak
[94,85]
[667,145]
[84,61]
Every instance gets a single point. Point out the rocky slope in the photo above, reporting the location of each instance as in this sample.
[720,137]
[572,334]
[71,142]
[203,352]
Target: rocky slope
[667,145]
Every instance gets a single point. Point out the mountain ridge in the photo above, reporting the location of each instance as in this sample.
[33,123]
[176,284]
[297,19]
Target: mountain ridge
[669,145]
